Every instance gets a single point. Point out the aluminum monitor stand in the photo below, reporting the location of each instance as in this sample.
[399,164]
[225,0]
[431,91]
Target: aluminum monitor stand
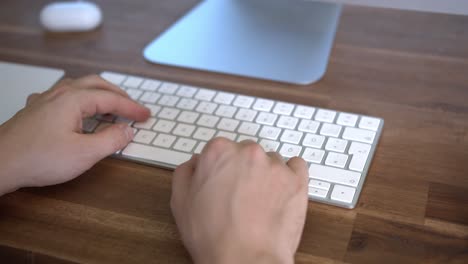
[286,41]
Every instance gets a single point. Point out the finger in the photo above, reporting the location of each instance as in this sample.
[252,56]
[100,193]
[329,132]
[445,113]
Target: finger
[215,147]
[96,82]
[246,142]
[107,141]
[275,156]
[31,98]
[181,181]
[97,101]
[298,166]
[60,84]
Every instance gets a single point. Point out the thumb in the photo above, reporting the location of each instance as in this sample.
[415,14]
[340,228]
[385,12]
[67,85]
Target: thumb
[299,167]
[31,98]
[181,181]
[109,140]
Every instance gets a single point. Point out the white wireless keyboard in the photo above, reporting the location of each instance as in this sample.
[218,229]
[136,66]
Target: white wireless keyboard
[337,146]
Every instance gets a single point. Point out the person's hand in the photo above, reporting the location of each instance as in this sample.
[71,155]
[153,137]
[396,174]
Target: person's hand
[43,144]
[234,203]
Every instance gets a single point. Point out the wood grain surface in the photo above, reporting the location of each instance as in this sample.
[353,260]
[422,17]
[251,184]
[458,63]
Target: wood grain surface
[407,67]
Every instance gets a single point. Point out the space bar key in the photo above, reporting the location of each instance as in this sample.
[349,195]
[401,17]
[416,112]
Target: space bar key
[171,157]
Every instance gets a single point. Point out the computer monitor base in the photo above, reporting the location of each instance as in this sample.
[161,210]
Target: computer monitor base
[286,41]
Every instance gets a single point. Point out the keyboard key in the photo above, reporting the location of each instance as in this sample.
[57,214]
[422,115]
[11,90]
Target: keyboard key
[148,124]
[283,108]
[109,118]
[186,91]
[360,135]
[150,85]
[243,101]
[187,104]
[168,88]
[164,126]
[228,135]
[308,126]
[208,121]
[269,145]
[248,128]
[289,150]
[206,107]
[336,159]
[343,194]
[205,95]
[134,93]
[199,147]
[345,119]
[287,122]
[357,148]
[246,114]
[164,140]
[266,118]
[89,124]
[314,141]
[114,78]
[183,130]
[224,98]
[369,123]
[263,105]
[123,120]
[168,113]
[330,130]
[226,111]
[336,144]
[321,193]
[319,184]
[360,152]
[270,132]
[188,117]
[150,97]
[133,82]
[304,112]
[335,175]
[168,100]
[153,108]
[244,137]
[151,153]
[291,136]
[102,126]
[313,155]
[228,124]
[325,115]
[204,133]
[185,144]
[144,136]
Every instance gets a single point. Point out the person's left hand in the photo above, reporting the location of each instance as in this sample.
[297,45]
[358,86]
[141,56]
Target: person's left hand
[43,144]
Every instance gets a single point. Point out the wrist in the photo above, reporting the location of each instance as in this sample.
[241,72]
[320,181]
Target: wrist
[226,255]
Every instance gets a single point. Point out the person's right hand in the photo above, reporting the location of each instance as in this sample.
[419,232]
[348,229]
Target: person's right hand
[235,203]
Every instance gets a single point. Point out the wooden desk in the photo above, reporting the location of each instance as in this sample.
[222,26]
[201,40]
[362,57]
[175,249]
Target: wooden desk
[409,68]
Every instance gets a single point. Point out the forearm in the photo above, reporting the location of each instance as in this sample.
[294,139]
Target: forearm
[8,174]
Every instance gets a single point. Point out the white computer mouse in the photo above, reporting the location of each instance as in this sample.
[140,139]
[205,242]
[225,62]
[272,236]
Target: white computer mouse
[75,16]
